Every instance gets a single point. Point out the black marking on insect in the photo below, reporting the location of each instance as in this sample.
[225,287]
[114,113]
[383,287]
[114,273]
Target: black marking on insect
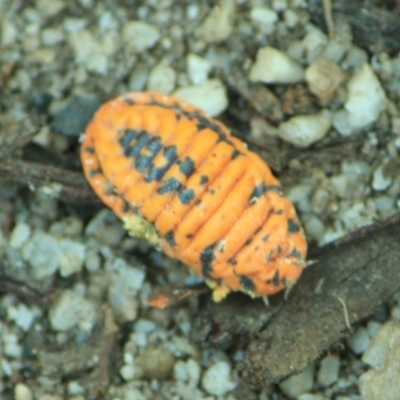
[187,166]
[247,283]
[203,179]
[206,257]
[293,226]
[157,173]
[171,185]
[170,238]
[95,171]
[186,196]
[127,138]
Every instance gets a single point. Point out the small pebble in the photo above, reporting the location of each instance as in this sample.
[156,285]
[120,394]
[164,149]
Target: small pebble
[9,33]
[218,24]
[304,130]
[22,392]
[88,51]
[381,381]
[210,95]
[329,370]
[314,43]
[73,257]
[335,50]
[70,310]
[139,36]
[50,8]
[51,36]
[11,347]
[217,379]
[156,363]
[264,19]
[197,68]
[273,66]
[359,340]
[323,78]
[366,98]
[382,177]
[314,228]
[310,396]
[298,384]
[75,116]
[19,235]
[161,79]
[128,371]
[22,316]
[43,253]
[340,121]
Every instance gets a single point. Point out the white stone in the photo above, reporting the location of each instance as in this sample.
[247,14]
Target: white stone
[310,396]
[263,15]
[320,199]
[88,51]
[197,68]
[71,310]
[335,50]
[9,32]
[22,392]
[366,98]
[128,371]
[106,228]
[304,130]
[340,121]
[217,379]
[314,228]
[210,95]
[125,281]
[121,270]
[323,78]
[50,8]
[359,341]
[273,66]
[75,389]
[314,43]
[383,355]
[22,316]
[42,252]
[11,347]
[279,5]
[19,235]
[384,203]
[74,24]
[299,384]
[161,79]
[355,58]
[194,371]
[51,36]
[145,325]
[139,36]
[340,184]
[358,215]
[329,370]
[180,371]
[218,25]
[381,179]
[264,19]
[73,256]
[291,18]
[373,328]
[92,260]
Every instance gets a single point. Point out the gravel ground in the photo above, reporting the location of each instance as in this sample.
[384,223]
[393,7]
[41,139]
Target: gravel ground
[96,338]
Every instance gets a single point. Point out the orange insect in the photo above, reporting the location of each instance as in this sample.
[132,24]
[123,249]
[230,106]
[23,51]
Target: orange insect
[178,178]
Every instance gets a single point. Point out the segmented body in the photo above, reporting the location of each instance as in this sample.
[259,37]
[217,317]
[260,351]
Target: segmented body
[200,194]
